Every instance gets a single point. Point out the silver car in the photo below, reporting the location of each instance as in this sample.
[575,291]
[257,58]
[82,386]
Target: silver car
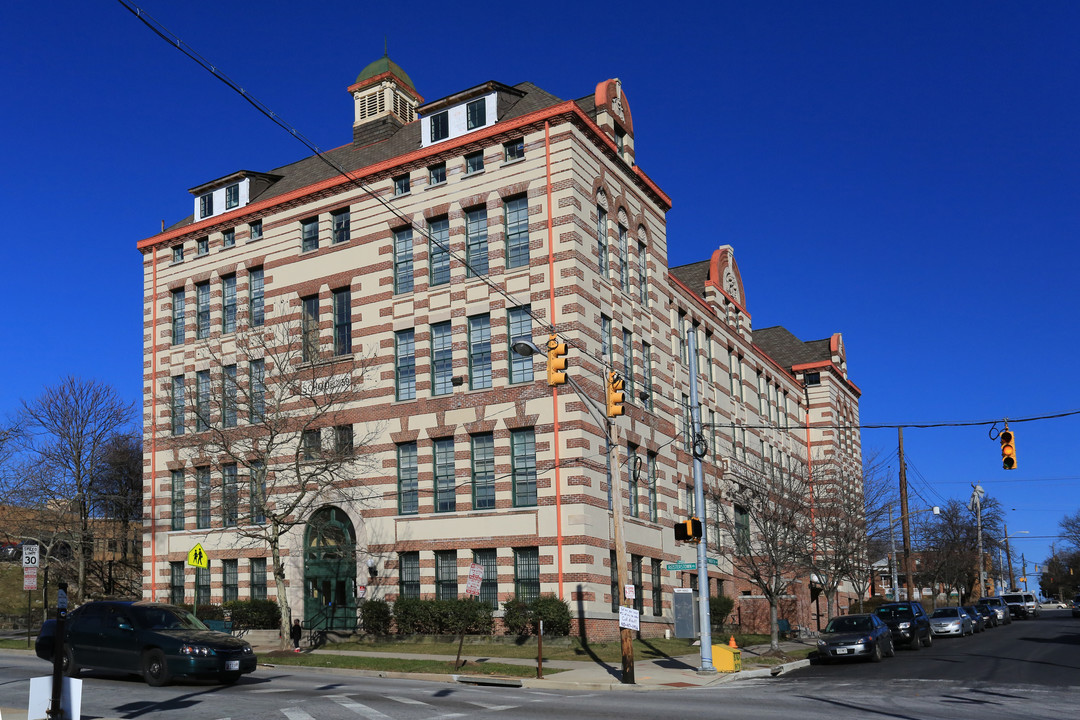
[951,621]
[1000,609]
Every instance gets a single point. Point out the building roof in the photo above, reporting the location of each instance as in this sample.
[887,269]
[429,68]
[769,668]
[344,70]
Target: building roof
[692,276]
[788,350]
[384,65]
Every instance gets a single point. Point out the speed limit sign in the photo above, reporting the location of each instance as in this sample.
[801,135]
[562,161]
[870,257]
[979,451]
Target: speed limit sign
[30,556]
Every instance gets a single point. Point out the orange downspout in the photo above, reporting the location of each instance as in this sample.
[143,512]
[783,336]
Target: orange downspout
[153,432]
[554,389]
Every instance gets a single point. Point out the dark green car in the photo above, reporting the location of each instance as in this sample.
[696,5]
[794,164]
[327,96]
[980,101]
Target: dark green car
[157,641]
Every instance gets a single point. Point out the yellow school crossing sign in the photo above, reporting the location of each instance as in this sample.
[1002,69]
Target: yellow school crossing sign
[197,557]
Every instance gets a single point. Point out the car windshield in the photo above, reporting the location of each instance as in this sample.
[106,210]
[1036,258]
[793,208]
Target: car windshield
[166,618]
[894,613]
[1013,598]
[849,624]
[946,612]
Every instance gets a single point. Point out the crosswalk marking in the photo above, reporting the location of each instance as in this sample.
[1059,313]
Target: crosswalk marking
[407,701]
[364,710]
[487,706]
[296,713]
[270,690]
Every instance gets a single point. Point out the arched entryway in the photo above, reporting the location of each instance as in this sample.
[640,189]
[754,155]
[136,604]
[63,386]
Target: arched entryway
[330,571]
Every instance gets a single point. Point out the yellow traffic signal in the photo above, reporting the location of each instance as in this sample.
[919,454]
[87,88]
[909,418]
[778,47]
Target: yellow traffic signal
[615,395]
[1008,449]
[556,361]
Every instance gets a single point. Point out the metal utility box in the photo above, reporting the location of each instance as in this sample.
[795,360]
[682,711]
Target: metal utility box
[726,658]
[685,610]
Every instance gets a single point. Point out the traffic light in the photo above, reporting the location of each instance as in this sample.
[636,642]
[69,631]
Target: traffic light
[556,361]
[615,395]
[688,530]
[1008,449]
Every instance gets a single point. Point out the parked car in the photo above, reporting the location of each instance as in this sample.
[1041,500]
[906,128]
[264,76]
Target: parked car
[951,621]
[989,617]
[1000,608]
[1018,611]
[155,640]
[1076,608]
[977,623]
[849,636]
[909,623]
[1026,599]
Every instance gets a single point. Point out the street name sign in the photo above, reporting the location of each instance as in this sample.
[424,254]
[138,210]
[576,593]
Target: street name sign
[691,565]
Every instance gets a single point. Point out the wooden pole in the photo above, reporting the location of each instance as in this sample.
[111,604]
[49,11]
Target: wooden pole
[909,576]
[625,634]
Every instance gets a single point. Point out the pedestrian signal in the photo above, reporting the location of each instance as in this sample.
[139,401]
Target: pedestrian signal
[688,530]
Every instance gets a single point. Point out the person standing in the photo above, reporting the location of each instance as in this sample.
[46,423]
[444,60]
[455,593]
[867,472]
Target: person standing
[296,632]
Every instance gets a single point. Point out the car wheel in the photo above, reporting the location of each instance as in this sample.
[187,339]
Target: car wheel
[915,644]
[928,640]
[67,664]
[155,670]
[229,678]
[891,651]
[876,656]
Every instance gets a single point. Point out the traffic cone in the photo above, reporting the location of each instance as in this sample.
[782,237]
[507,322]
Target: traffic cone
[732,643]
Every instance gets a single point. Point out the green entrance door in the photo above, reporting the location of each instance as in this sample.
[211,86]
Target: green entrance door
[330,571]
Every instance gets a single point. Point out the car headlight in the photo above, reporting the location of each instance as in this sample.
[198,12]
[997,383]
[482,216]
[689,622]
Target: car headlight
[904,625]
[197,650]
[247,650]
[865,639]
[822,643]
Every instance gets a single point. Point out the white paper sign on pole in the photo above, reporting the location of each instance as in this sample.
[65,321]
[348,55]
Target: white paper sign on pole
[29,578]
[476,577]
[629,618]
[628,592]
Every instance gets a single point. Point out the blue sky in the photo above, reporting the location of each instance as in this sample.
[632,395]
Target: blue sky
[903,173]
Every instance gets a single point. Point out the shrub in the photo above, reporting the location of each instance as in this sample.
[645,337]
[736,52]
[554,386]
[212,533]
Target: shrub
[554,612]
[254,614]
[205,612]
[720,608]
[467,616]
[375,616]
[517,616]
[415,617]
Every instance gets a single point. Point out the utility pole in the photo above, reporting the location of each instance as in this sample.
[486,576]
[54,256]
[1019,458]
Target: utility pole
[976,507]
[909,577]
[1008,556]
[699,504]
[625,634]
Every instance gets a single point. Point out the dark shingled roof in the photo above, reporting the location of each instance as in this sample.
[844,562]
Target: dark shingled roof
[788,350]
[693,275]
[405,140]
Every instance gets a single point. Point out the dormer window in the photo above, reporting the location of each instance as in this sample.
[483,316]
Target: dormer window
[206,205]
[440,126]
[232,196]
[476,114]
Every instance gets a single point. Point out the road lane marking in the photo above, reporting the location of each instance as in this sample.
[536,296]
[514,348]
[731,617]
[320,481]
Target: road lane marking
[364,710]
[296,713]
[407,701]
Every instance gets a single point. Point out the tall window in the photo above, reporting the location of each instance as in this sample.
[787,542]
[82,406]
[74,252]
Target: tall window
[489,586]
[483,471]
[742,530]
[178,253]
[709,357]
[616,591]
[474,162]
[605,340]
[520,321]
[177,500]
[439,251]
[526,574]
[409,575]
[206,205]
[255,228]
[228,304]
[657,590]
[177,405]
[232,197]
[230,581]
[601,240]
[257,388]
[229,496]
[342,300]
[176,582]
[309,234]
[476,114]
[445,492]
[646,374]
[257,493]
[403,261]
[228,396]
[446,575]
[643,281]
[517,232]
[309,327]
[634,487]
[440,126]
[635,579]
[202,497]
[688,423]
[628,360]
[256,309]
[202,400]
[408,479]
[624,260]
[258,578]
[437,174]
[202,311]
[680,329]
[514,150]
[523,462]
[405,364]
[340,225]
[177,317]
[228,238]
[442,359]
[401,185]
[476,242]
[479,352]
[202,246]
[343,440]
[762,396]
[654,513]
[310,444]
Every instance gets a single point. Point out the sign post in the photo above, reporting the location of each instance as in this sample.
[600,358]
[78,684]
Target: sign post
[472,589]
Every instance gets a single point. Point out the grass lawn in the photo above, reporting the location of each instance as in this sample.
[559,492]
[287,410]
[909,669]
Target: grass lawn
[404,665]
[16,644]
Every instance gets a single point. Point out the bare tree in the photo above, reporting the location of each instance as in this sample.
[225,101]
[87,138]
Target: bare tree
[878,494]
[838,530]
[66,433]
[769,523]
[1070,529]
[116,517]
[950,551]
[289,428]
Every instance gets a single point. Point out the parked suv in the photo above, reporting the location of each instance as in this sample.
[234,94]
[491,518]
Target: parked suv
[1026,599]
[1000,608]
[908,622]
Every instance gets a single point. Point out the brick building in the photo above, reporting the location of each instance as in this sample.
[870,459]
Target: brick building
[496,214]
